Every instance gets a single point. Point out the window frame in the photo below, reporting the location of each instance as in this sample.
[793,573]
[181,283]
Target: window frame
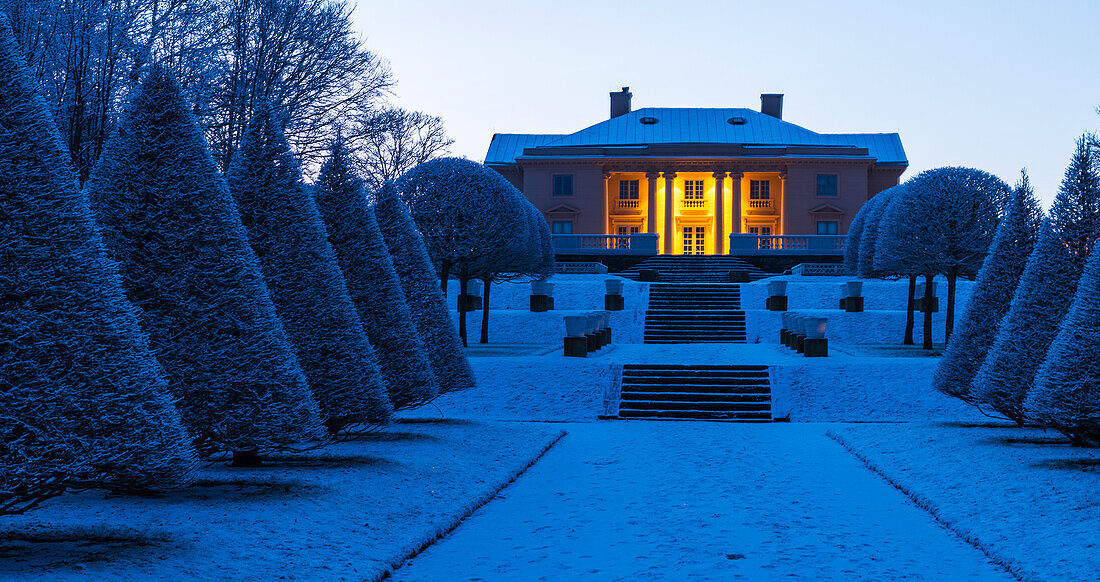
[554,226]
[760,189]
[631,189]
[836,227]
[836,186]
[566,179]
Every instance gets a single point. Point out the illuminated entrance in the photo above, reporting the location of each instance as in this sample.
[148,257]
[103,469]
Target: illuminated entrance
[695,240]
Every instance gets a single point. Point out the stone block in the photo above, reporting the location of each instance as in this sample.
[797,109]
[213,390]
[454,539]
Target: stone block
[613,303]
[576,347]
[816,348]
[776,303]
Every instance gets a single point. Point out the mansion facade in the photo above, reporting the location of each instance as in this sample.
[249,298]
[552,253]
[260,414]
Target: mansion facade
[690,178]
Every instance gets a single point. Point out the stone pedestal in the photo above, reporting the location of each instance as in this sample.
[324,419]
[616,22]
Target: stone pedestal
[783,334]
[613,302]
[852,304]
[469,303]
[799,343]
[576,347]
[607,338]
[593,341]
[843,302]
[776,303]
[816,348]
[540,303]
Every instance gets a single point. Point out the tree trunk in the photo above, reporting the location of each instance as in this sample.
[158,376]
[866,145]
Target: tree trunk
[952,279]
[462,281]
[249,458]
[928,296]
[485,312]
[444,276]
[911,306]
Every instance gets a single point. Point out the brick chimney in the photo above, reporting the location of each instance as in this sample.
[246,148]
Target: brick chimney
[772,104]
[620,102]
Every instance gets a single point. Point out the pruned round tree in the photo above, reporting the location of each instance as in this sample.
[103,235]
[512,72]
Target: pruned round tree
[1046,291]
[421,285]
[996,284]
[869,233]
[943,223]
[855,234]
[888,262]
[83,402]
[170,223]
[305,281]
[372,282]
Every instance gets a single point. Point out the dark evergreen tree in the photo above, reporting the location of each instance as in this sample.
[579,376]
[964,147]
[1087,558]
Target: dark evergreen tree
[992,296]
[299,266]
[372,282]
[421,285]
[170,223]
[83,402]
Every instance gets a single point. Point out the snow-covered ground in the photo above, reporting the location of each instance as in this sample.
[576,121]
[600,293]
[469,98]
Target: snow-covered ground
[1024,495]
[700,501]
[849,386]
[571,292]
[522,326]
[345,512]
[824,293]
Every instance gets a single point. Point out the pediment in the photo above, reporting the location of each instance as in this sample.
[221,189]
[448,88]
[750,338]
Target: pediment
[826,209]
[563,209]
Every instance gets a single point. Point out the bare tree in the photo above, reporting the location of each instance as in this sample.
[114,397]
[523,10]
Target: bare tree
[391,141]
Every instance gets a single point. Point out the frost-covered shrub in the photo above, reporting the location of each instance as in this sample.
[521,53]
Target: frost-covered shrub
[997,282]
[855,233]
[1066,395]
[422,293]
[170,223]
[1045,292]
[306,284]
[83,402]
[874,208]
[372,282]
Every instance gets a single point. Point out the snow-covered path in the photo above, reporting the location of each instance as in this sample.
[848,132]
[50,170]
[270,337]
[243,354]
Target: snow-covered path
[699,501]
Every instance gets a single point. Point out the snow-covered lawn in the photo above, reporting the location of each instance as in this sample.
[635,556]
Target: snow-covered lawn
[676,501]
[340,513]
[1024,495]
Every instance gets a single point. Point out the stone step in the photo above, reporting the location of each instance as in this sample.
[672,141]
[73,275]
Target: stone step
[655,405]
[761,416]
[648,396]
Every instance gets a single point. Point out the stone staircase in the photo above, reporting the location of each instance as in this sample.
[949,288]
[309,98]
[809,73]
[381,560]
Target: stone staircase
[695,392]
[694,268]
[694,313]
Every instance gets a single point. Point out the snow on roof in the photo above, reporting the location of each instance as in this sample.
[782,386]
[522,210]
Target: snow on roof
[675,125]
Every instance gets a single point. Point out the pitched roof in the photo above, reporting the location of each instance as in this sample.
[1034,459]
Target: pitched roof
[677,125]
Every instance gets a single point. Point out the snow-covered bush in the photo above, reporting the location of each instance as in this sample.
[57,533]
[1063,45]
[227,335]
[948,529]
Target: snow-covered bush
[170,223]
[997,282]
[888,263]
[421,285]
[306,284]
[372,282]
[1045,292]
[943,222]
[1066,395]
[869,233]
[83,402]
[852,244]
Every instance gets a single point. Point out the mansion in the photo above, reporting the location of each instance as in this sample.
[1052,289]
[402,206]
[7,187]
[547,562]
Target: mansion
[698,181]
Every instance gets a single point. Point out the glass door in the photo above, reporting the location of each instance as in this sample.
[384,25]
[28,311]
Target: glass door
[695,240]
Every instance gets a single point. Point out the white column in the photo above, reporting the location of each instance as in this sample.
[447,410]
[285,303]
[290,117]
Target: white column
[735,207]
[670,210]
[719,213]
[651,202]
[606,196]
[783,201]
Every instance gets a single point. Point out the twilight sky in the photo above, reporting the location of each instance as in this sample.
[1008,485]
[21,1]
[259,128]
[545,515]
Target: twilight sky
[996,85]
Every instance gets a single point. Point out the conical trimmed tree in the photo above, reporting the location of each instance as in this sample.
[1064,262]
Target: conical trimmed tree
[83,402]
[421,285]
[310,295]
[1066,396]
[996,284]
[372,282]
[869,234]
[1045,292]
[170,223]
[855,234]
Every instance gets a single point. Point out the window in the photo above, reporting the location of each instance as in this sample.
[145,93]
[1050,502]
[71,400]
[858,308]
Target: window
[563,185]
[624,230]
[826,184]
[561,227]
[628,189]
[695,240]
[693,189]
[760,190]
[826,227]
